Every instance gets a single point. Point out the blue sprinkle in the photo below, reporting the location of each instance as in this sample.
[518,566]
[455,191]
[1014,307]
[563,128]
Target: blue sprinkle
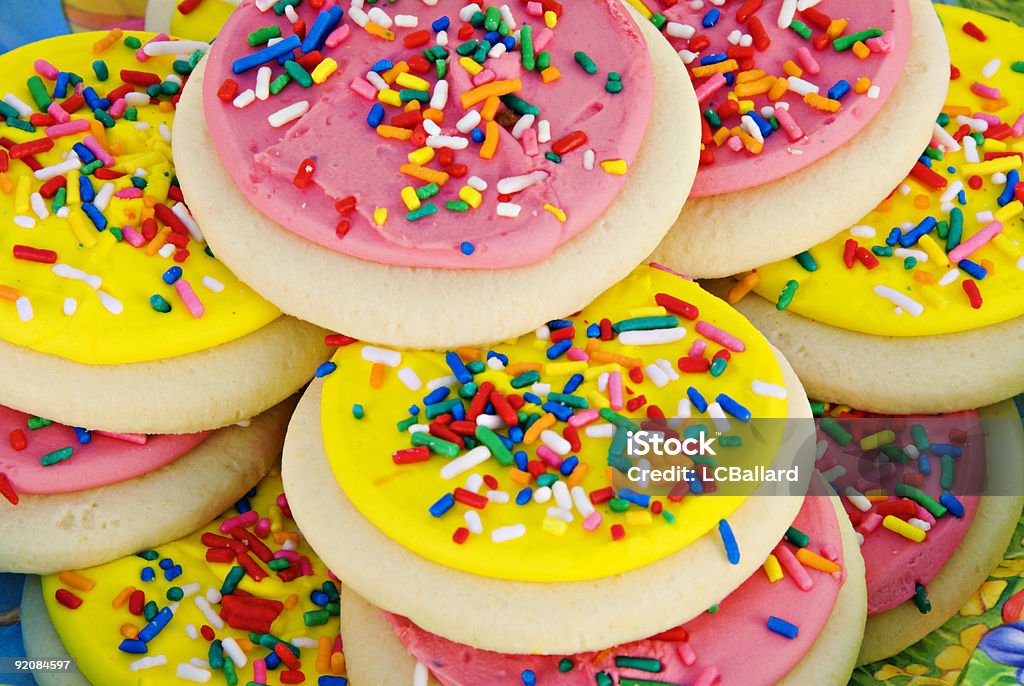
[445,503]
[924,465]
[697,399]
[327,680]
[85,188]
[172,573]
[467,248]
[594,331]
[319,598]
[498,356]
[509,42]
[436,395]
[382,65]
[838,91]
[414,410]
[441,24]
[376,115]
[732,550]
[92,98]
[505,441]
[532,398]
[914,235]
[515,434]
[94,215]
[732,407]
[955,507]
[716,58]
[492,37]
[711,18]
[569,465]
[82,435]
[894,237]
[556,324]
[529,678]
[457,367]
[730,79]
[147,574]
[961,197]
[559,349]
[273,660]
[941,449]
[324,24]
[459,412]
[521,460]
[166,563]
[523,497]
[763,125]
[243,505]
[477,135]
[150,631]
[281,49]
[925,160]
[60,87]
[561,412]
[1008,194]
[86,156]
[636,498]
[573,383]
[132,646]
[325,369]
[782,627]
[695,484]
[951,169]
[973,268]
[172,275]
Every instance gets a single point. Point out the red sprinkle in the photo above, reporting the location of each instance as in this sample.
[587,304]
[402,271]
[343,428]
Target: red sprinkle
[342,228]
[292,676]
[346,204]
[747,10]
[761,39]
[693,365]
[418,38]
[7,490]
[928,176]
[954,72]
[136,602]
[973,294]
[974,32]
[228,90]
[817,17]
[287,656]
[304,173]
[618,532]
[569,142]
[975,182]
[460,535]
[867,258]
[17,439]
[68,599]
[207,631]
[32,147]
[338,340]
[470,498]
[821,41]
[601,495]
[698,43]
[220,555]
[145,79]
[186,6]
[30,254]
[677,306]
[849,252]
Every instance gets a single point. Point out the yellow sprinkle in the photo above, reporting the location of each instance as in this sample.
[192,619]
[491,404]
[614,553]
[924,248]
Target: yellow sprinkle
[792,68]
[471,196]
[565,368]
[650,311]
[1005,246]
[22,194]
[992,145]
[82,233]
[327,67]
[393,73]
[709,69]
[550,19]
[380,215]
[877,440]
[471,65]
[490,144]
[750,75]
[860,50]
[756,87]
[389,96]
[862,85]
[1005,214]
[815,561]
[836,28]
[378,30]
[550,74]
[638,517]
[411,105]
[934,252]
[598,370]
[554,526]
[407,80]
[617,167]
[410,199]
[934,297]
[908,531]
[640,7]
[1000,164]
[772,569]
[396,132]
[597,400]
[820,102]
[557,211]
[421,155]
[76,581]
[722,135]
[746,106]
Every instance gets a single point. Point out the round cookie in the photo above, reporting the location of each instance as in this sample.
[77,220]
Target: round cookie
[935,267]
[774,219]
[522,560]
[376,655]
[609,236]
[201,21]
[214,622]
[108,286]
[891,631]
[111,498]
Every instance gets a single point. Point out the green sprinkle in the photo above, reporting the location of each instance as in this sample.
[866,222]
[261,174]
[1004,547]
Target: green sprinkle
[56,456]
[929,503]
[148,555]
[425,210]
[518,105]
[712,118]
[60,199]
[16,123]
[410,95]
[543,60]
[149,610]
[644,664]
[282,4]
[333,609]
[482,48]
[846,42]
[583,59]
[492,442]
[261,36]
[817,408]
[216,654]
[159,303]
[131,114]
[466,49]
[230,676]
[132,42]
[104,118]
[730,441]
[797,537]
[428,191]
[331,589]
[357,411]
[669,517]
[38,92]
[468,390]
[526,47]
[613,87]
[565,665]
[438,446]
[774,121]
[569,400]
[406,423]
[492,17]
[7,111]
[934,153]
[786,297]
[942,229]
[99,67]
[645,324]
[91,167]
[546,480]
[554,157]
[948,475]
[174,593]
[718,366]
[301,76]
[603,679]
[836,432]
[316,618]
[801,29]
[503,29]
[476,366]
[525,379]
[806,260]
[139,182]
[617,419]
[619,464]
[956,228]
[153,91]
[278,84]
[909,262]
[895,453]
[942,119]
[924,606]
[38,422]
[882,250]
[920,437]
[659,20]
[713,609]
[1018,67]
[618,505]
[231,581]
[444,407]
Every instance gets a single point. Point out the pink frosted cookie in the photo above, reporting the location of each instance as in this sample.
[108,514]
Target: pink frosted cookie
[95,496]
[413,151]
[798,99]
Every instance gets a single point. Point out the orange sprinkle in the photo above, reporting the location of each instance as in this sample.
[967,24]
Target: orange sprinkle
[522,478]
[490,145]
[8,293]
[424,174]
[921,276]
[436,116]
[98,132]
[245,644]
[750,75]
[494,88]
[885,205]
[836,28]
[517,368]
[994,105]
[104,44]
[956,110]
[922,201]
[778,89]
[533,433]
[792,69]
[862,85]
[468,354]
[753,146]
[745,285]
[323,654]
[395,132]
[604,356]
[762,85]
[815,561]
[820,102]
[290,601]
[722,135]
[121,598]
[720,68]
[377,375]
[860,50]
[129,631]
[490,108]
[913,479]
[76,581]
[576,478]
[376,29]
[391,74]
[158,241]
[988,266]
[550,74]
[411,106]
[338,664]
[6,185]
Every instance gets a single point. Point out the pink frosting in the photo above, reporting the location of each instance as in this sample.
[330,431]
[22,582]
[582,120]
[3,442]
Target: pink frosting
[824,131]
[352,160]
[734,641]
[103,461]
[895,564]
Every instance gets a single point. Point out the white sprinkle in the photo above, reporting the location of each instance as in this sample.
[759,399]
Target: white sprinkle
[39,206]
[474,482]
[304,642]
[173,78]
[24,307]
[463,463]
[589,157]
[696,5]
[652,337]
[525,122]
[410,378]
[555,441]
[746,40]
[420,675]
[446,381]
[683,409]
[167,250]
[213,595]
[600,430]
[234,651]
[508,209]
[506,16]
[786,13]
[542,495]
[541,389]
[165,132]
[468,122]
[834,473]
[497,51]
[919,523]
[191,632]
[985,217]
[288,114]
[23,109]
[820,449]
[136,98]
[245,98]
[1020,264]
[953,190]
[419,429]
[68,272]
[110,303]
[190,589]
[977,125]
[667,368]
[656,375]
[801,87]
[990,69]
[431,128]
[212,284]
[442,36]
[768,390]
[515,184]
[453,142]
[212,618]
[357,15]
[942,136]
[440,97]
[497,496]
[543,131]
[857,499]
[377,81]
[473,522]
[971,150]
[750,126]
[508,533]
[103,196]
[688,56]
[291,14]
[734,37]
[802,5]
[911,451]
[477,183]
[718,417]
[582,501]
[192,673]
[174,47]
[70,306]
[874,92]
[24,221]
[949,277]
[391,358]
[149,662]
[467,12]
[495,364]
[905,190]
[863,231]
[899,299]
[560,490]
[491,421]
[379,16]
[47,173]
[264,5]
[263,82]
[407,21]
[199,662]
[919,255]
[677,30]
[560,513]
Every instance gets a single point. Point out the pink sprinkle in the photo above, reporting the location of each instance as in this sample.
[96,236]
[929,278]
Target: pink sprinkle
[529,142]
[615,390]
[338,36]
[126,193]
[45,69]
[583,418]
[96,149]
[577,354]
[305,566]
[697,349]
[79,88]
[793,568]
[67,128]
[983,91]
[133,237]
[243,520]
[484,76]
[711,86]
[807,61]
[829,552]
[686,653]
[713,333]
[549,456]
[1018,127]
[881,44]
[289,555]
[137,439]
[870,523]
[592,521]
[734,143]
[141,55]
[541,40]
[259,671]
[707,677]
[975,242]
[990,119]
[364,88]
[788,124]
[925,516]
[189,297]
[58,113]
[118,108]
[262,528]
[535,9]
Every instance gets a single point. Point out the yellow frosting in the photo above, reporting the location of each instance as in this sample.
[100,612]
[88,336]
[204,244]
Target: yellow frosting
[94,334]
[92,632]
[396,498]
[845,298]
[202,23]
